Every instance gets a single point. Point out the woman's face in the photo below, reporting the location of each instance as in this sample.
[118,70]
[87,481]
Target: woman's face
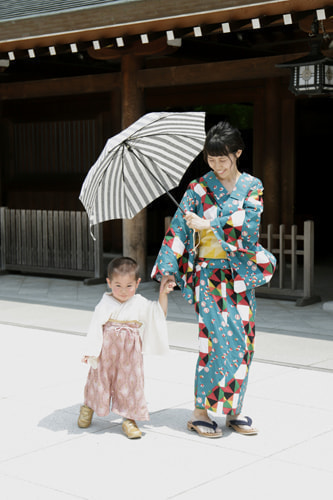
[224,167]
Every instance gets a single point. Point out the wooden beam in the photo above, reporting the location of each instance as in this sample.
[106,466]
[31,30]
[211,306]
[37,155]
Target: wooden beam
[60,86]
[191,74]
[244,69]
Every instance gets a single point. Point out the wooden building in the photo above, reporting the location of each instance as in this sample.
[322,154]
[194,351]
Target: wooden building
[75,72]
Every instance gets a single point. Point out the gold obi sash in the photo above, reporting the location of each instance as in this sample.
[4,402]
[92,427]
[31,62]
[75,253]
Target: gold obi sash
[209,247]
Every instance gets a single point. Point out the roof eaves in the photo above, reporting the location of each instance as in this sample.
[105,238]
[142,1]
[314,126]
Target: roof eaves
[31,9]
[112,20]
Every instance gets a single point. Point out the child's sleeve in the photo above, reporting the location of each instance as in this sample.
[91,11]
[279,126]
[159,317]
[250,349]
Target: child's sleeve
[155,334]
[94,338]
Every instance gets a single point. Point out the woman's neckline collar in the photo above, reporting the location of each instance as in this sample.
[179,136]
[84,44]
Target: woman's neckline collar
[214,178]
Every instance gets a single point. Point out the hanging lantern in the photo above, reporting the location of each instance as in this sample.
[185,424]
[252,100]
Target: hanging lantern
[311,74]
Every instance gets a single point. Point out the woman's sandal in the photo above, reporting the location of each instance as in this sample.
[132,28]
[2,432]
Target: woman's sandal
[195,426]
[242,426]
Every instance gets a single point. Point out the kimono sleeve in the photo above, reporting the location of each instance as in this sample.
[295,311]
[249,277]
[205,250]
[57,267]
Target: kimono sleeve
[238,233]
[238,230]
[176,256]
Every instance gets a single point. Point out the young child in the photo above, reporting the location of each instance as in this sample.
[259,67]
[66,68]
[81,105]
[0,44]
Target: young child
[123,325]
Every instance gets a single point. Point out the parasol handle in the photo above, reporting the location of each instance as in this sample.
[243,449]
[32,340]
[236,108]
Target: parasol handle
[175,201]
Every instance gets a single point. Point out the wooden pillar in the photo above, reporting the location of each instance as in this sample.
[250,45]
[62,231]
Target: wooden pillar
[272,157]
[1,160]
[7,158]
[113,229]
[259,135]
[288,159]
[134,230]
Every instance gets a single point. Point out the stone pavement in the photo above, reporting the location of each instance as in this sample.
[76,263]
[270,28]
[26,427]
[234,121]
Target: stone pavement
[45,456]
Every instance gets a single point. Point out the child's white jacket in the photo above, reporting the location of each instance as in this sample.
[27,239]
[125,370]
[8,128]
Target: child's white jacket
[153,331]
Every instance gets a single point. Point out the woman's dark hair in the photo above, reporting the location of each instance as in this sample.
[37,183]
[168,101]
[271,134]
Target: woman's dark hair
[222,140]
[123,265]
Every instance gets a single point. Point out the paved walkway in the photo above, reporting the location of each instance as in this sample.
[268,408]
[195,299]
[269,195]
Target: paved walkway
[45,456]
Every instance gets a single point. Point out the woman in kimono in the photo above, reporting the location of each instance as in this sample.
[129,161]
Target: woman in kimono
[211,249]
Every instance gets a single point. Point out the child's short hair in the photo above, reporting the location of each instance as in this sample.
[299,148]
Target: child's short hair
[123,265]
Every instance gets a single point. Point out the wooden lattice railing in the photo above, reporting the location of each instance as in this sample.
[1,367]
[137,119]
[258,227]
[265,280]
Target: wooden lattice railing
[292,280]
[50,242]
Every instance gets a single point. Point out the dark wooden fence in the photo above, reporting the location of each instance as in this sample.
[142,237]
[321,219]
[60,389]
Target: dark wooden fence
[50,242]
[60,243]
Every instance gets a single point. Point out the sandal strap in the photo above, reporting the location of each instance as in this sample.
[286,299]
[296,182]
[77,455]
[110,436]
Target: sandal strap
[247,421]
[210,425]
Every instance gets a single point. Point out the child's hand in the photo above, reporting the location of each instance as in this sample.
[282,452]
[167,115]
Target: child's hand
[91,360]
[168,283]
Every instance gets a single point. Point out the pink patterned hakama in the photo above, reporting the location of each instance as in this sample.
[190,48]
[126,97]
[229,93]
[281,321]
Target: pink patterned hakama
[118,380]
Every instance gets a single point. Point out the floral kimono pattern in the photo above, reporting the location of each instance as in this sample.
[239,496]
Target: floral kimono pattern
[222,290]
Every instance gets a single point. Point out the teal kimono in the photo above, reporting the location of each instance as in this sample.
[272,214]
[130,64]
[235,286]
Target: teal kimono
[222,290]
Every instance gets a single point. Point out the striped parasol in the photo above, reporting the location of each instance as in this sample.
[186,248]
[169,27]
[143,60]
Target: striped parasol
[141,163]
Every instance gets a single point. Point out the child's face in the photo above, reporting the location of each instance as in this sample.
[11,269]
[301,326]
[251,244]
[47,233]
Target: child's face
[123,286]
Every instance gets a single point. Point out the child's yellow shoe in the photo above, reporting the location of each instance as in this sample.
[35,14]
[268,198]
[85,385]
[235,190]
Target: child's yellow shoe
[131,430]
[85,417]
